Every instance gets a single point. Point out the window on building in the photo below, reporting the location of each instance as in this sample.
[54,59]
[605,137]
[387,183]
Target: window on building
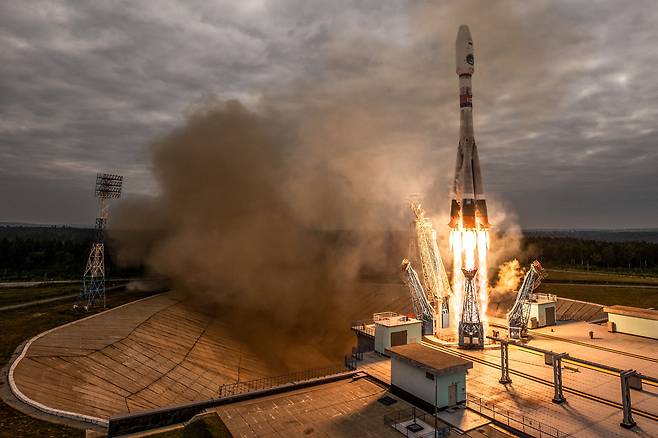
[429,376]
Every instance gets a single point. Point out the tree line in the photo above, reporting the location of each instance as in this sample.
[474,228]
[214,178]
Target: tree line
[593,254]
[54,253]
[50,253]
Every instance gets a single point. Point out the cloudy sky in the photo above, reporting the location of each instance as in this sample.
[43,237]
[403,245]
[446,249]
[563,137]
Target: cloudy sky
[565,93]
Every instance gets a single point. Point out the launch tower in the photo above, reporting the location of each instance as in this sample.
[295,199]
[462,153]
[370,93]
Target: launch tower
[471,331]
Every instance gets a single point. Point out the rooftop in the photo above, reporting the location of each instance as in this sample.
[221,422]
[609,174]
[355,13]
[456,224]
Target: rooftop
[397,320]
[343,408]
[429,359]
[633,311]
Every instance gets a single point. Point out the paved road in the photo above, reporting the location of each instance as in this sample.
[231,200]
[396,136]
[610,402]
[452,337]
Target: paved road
[52,282]
[47,300]
[32,303]
[36,283]
[638,286]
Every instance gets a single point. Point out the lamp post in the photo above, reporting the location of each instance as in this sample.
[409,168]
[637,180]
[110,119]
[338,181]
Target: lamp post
[436,403]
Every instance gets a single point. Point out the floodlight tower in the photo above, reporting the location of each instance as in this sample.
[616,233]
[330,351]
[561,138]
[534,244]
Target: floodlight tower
[92,292]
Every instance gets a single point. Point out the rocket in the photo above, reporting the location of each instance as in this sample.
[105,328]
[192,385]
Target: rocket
[468,204]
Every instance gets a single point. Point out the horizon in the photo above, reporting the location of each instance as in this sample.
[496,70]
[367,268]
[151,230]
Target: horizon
[91,226]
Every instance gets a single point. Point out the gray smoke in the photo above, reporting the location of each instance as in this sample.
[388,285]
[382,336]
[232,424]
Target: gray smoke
[251,196]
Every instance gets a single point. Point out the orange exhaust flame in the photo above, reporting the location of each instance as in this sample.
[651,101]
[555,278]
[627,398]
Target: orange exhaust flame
[469,251]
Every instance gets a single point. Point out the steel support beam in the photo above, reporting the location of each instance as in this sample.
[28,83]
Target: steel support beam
[504,363]
[625,377]
[557,378]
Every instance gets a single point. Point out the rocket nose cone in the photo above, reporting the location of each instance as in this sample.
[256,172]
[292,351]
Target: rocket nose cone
[464,34]
[464,51]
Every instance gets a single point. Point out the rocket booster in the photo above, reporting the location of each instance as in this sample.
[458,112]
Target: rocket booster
[468,205]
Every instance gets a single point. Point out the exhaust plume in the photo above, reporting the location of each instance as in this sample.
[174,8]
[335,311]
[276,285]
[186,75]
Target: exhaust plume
[252,199]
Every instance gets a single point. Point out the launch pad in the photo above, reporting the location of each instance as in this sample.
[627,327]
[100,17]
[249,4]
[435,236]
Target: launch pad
[158,361]
[590,399]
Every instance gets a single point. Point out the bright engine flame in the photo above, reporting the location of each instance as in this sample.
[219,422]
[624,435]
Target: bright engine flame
[469,251]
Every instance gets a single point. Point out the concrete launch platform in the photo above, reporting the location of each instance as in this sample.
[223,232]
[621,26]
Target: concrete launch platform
[344,408]
[151,353]
[592,408]
[148,354]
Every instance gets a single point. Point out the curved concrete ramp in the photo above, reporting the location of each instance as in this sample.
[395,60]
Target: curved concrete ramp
[147,354]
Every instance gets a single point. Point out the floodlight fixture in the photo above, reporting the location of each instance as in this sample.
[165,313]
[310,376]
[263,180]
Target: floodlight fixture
[108,185]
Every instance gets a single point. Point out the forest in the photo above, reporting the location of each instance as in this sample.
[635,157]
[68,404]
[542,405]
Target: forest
[50,253]
[60,253]
[570,252]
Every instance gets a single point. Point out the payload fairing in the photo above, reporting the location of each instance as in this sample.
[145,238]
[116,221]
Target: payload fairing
[468,209]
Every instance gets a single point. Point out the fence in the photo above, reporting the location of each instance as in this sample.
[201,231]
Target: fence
[400,420]
[365,326]
[513,419]
[536,296]
[141,421]
[383,315]
[231,389]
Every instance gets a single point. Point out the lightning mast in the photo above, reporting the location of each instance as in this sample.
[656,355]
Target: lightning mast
[92,292]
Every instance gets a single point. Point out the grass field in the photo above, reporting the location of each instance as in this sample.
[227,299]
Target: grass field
[569,276]
[21,324]
[602,287]
[17,295]
[635,296]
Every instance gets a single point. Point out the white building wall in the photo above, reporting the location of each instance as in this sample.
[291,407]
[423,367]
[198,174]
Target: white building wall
[413,380]
[634,326]
[538,311]
[383,335]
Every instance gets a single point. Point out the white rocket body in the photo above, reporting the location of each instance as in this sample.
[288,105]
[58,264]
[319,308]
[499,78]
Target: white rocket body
[468,206]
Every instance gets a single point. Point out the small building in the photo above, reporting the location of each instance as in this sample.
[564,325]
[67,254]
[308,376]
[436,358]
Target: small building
[633,321]
[427,377]
[392,329]
[542,310]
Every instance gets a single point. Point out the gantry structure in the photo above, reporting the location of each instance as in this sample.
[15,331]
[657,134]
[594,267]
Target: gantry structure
[434,277]
[517,318]
[422,307]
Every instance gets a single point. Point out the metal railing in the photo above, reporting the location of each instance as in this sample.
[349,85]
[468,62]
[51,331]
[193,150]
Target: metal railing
[397,419]
[235,388]
[120,425]
[383,315]
[357,353]
[512,419]
[365,326]
[536,296]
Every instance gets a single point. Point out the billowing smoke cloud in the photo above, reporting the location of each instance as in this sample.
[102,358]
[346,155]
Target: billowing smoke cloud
[253,196]
[248,220]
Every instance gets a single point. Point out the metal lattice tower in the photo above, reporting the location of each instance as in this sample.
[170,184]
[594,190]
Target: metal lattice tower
[92,292]
[517,318]
[471,330]
[421,305]
[435,279]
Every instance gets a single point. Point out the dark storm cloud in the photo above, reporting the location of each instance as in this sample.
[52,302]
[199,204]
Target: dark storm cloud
[565,93]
